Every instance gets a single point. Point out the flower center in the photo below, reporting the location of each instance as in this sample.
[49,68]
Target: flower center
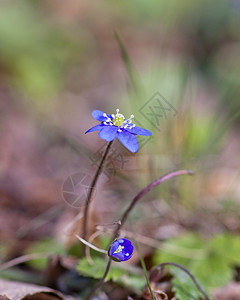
[118,120]
[119,249]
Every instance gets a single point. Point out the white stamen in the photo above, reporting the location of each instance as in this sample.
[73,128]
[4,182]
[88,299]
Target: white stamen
[119,249]
[116,118]
[127,254]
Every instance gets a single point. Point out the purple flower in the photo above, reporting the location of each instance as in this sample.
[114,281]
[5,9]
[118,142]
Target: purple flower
[121,250]
[116,126]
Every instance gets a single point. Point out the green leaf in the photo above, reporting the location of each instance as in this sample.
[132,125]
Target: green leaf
[213,271]
[181,250]
[183,286]
[227,246]
[47,245]
[124,274]
[211,262]
[222,253]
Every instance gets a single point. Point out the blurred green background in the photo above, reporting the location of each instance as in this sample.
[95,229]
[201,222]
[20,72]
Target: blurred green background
[59,60]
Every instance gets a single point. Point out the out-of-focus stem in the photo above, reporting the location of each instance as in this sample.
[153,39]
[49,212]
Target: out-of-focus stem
[90,193]
[142,193]
[101,282]
[22,259]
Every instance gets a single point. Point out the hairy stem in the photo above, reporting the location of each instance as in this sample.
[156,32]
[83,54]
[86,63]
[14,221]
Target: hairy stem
[90,193]
[188,273]
[128,210]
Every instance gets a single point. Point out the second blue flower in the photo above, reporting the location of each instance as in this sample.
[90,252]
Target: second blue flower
[121,250]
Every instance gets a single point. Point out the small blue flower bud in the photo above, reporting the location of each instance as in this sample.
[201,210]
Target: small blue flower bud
[121,250]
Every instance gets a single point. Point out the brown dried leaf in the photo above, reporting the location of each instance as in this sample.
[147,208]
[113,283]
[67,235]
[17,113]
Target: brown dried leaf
[11,290]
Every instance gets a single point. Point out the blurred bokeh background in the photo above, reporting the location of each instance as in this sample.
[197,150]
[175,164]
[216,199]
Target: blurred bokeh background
[60,60]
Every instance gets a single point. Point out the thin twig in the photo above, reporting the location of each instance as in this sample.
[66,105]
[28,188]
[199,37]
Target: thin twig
[188,273]
[90,240]
[39,221]
[90,193]
[90,245]
[70,225]
[22,259]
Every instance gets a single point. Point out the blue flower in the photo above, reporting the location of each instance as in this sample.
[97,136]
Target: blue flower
[121,250]
[116,126]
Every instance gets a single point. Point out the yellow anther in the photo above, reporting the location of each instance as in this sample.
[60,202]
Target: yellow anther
[118,120]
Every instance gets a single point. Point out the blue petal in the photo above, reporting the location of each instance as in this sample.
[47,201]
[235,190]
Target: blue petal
[129,251]
[139,131]
[124,242]
[95,128]
[113,248]
[129,140]
[120,256]
[108,133]
[98,115]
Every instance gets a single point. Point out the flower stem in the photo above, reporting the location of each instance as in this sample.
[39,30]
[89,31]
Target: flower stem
[101,282]
[90,193]
[128,210]
[142,193]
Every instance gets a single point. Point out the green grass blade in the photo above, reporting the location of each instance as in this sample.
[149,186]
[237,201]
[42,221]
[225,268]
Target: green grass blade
[144,269]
